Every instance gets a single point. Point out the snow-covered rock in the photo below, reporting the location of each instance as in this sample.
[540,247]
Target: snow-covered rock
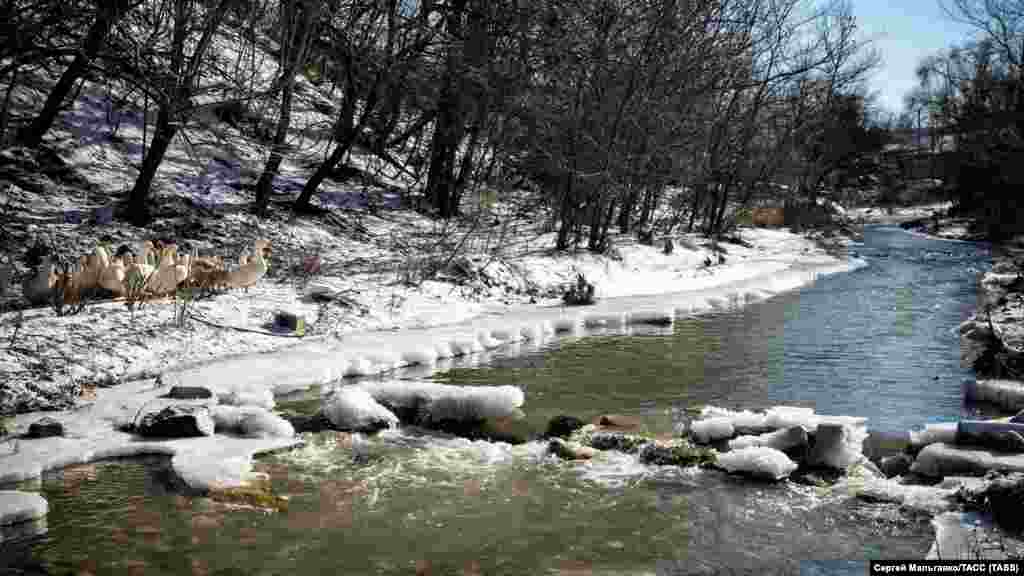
[16,506]
[836,446]
[930,499]
[247,396]
[428,403]
[712,429]
[252,421]
[176,421]
[785,439]
[353,408]
[758,462]
[941,459]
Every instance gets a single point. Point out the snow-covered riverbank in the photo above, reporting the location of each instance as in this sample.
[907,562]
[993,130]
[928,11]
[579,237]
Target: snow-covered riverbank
[367,284]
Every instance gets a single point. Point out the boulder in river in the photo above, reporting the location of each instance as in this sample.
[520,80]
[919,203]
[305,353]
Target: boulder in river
[177,421]
[618,422]
[45,427]
[563,426]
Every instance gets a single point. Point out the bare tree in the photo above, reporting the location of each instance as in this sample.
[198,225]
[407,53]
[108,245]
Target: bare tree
[193,27]
[107,13]
[297,30]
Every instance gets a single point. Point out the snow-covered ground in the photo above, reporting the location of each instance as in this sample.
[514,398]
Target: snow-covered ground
[373,290]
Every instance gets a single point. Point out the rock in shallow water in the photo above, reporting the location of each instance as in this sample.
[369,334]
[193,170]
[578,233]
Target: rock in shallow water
[178,421]
[45,427]
[563,426]
[677,453]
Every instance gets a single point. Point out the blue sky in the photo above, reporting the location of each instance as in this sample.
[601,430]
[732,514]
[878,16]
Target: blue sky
[904,31]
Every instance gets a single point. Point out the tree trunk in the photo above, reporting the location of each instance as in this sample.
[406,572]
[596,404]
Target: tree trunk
[568,209]
[162,137]
[345,134]
[106,16]
[5,112]
[441,174]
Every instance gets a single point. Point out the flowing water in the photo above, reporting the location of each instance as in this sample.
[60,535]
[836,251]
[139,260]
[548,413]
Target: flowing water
[877,342]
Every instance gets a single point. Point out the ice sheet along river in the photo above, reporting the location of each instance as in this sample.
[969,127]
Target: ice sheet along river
[878,342]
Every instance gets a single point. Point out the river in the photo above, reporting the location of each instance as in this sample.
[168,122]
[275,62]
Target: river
[878,342]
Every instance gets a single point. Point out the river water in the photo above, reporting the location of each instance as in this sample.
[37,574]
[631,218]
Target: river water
[878,342]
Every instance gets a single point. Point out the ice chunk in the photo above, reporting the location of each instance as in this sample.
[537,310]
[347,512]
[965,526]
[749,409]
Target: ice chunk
[759,462]
[789,416]
[745,422]
[353,408]
[711,429]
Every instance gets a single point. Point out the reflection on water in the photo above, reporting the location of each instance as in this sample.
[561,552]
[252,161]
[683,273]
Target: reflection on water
[869,343]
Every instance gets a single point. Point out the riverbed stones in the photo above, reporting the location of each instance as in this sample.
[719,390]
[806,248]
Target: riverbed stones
[676,453]
[567,450]
[562,426]
[17,506]
[45,427]
[177,421]
[189,393]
